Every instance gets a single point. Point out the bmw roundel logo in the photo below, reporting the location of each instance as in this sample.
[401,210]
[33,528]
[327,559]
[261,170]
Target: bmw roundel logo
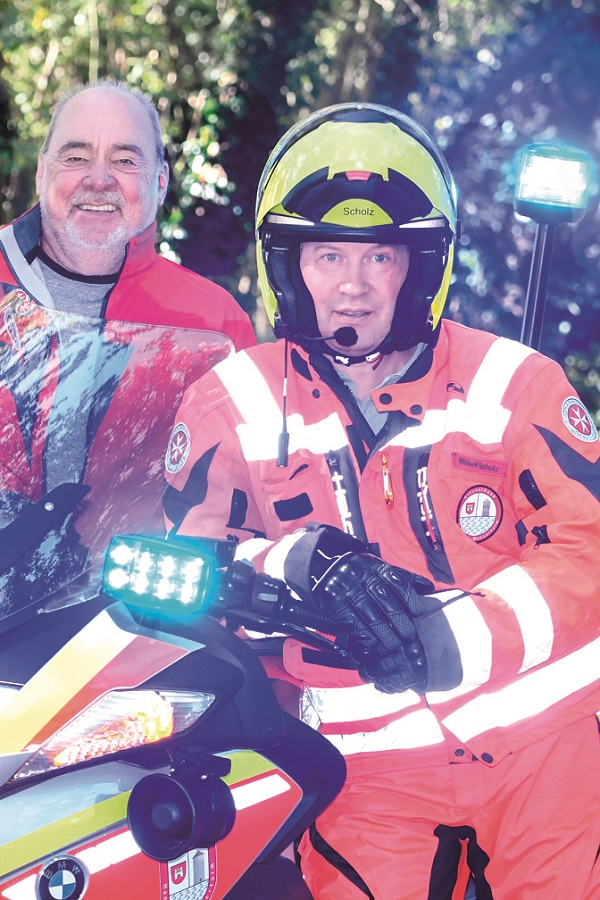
[63,878]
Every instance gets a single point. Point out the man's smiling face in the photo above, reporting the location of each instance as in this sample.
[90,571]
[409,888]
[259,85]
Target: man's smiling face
[99,181]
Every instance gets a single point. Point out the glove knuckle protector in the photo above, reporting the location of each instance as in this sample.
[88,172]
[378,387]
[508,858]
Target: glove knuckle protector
[402,670]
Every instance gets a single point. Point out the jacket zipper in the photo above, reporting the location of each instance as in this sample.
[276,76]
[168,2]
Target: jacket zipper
[388,491]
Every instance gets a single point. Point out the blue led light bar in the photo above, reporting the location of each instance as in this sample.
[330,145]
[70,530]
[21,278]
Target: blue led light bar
[157,575]
[553,183]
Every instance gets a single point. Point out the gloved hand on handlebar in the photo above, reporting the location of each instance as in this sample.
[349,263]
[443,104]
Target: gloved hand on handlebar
[382,609]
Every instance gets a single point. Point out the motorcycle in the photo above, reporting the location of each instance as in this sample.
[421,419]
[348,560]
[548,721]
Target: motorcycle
[143,753]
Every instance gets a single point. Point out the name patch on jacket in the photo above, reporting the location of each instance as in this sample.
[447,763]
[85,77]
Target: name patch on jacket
[479,512]
[484,466]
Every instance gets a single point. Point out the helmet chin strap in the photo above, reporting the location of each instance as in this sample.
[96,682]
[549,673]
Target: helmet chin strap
[345,336]
[353,360]
[385,347]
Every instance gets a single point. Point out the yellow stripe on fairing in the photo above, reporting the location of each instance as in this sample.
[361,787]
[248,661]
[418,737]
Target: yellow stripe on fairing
[54,685]
[74,828]
[246,764]
[258,791]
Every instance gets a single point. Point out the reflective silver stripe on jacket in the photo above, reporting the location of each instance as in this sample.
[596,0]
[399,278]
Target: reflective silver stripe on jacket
[480,414]
[259,435]
[529,695]
[416,728]
[34,286]
[518,589]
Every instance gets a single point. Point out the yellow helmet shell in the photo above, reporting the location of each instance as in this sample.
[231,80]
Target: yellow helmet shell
[354,172]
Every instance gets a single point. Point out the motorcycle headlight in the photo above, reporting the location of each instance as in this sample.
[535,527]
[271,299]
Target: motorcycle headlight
[121,720]
[154,575]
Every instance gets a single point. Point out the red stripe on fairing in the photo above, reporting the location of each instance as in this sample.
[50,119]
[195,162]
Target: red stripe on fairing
[110,876]
[139,661]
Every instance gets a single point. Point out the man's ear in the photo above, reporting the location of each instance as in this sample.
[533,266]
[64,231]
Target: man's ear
[163,182]
[39,175]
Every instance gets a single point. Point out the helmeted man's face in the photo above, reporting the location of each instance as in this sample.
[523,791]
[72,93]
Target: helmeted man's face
[99,181]
[354,284]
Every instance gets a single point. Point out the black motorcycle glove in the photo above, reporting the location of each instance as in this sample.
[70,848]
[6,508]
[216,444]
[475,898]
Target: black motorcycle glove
[378,603]
[393,632]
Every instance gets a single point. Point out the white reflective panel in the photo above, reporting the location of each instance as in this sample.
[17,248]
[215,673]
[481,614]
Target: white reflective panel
[253,398]
[416,729]
[259,439]
[356,704]
[22,890]
[529,695]
[246,795]
[519,591]
[108,852]
[480,415]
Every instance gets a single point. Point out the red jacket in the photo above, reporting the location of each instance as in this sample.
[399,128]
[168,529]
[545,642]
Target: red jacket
[43,411]
[496,481]
[150,289]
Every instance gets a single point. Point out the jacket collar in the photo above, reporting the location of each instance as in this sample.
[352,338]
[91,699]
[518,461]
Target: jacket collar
[411,394]
[140,253]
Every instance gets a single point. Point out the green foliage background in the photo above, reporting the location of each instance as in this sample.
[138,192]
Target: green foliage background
[229,76]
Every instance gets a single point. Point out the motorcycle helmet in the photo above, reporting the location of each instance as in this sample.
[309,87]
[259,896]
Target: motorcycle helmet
[356,172]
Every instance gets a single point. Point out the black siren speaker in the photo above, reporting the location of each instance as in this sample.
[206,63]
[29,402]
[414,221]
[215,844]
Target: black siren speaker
[171,814]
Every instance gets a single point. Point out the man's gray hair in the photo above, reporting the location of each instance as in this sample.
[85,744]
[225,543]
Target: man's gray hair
[121,88]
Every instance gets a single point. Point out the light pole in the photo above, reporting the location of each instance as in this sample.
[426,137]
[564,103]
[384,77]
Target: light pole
[553,186]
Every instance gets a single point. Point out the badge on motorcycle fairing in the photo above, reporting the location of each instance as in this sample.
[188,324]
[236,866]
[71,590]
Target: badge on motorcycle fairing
[479,512]
[11,327]
[578,420]
[192,876]
[178,449]
[24,305]
[63,878]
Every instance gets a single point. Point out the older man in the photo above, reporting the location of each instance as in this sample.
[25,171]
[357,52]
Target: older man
[89,246]
[76,394]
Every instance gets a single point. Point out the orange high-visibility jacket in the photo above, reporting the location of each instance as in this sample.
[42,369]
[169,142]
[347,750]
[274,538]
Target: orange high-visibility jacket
[492,461]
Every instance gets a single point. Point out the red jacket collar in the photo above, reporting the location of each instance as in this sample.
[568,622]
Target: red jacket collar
[140,252]
[412,397]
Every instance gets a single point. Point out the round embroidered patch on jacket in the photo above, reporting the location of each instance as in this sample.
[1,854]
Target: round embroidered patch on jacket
[178,449]
[479,512]
[578,420]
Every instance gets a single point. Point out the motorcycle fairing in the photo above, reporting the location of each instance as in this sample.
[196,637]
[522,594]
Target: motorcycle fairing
[65,648]
[96,833]
[111,652]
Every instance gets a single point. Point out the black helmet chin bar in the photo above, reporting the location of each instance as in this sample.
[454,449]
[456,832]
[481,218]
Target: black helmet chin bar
[296,319]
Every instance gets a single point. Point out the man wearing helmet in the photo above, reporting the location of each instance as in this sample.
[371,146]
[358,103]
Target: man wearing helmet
[399,472]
